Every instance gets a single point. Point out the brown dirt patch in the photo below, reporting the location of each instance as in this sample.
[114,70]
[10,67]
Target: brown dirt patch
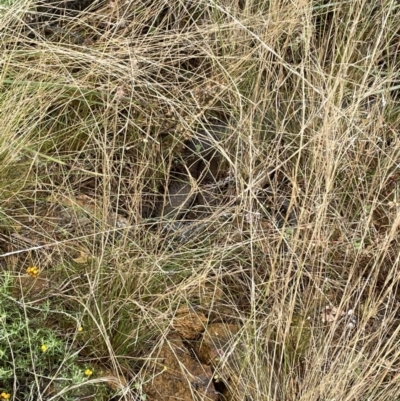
[177,375]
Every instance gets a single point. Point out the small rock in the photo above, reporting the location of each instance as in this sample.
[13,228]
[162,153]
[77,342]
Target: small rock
[189,323]
[177,375]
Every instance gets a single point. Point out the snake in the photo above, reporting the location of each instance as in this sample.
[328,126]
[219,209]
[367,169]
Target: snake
[196,188]
[188,186]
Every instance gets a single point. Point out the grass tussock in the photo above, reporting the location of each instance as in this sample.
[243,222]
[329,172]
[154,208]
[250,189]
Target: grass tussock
[287,287]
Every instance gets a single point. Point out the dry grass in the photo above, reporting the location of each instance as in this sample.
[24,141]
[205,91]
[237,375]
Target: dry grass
[95,106]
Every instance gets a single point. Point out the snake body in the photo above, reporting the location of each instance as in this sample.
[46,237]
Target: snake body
[196,189]
[186,188]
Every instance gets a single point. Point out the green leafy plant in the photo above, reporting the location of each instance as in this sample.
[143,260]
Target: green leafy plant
[33,358]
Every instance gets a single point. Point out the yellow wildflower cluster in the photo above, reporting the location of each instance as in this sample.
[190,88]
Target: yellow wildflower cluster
[88,372]
[33,271]
[5,396]
[43,348]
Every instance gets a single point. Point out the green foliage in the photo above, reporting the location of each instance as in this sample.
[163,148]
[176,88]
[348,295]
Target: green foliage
[33,358]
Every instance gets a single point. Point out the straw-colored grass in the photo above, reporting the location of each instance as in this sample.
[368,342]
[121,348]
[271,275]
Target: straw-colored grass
[95,106]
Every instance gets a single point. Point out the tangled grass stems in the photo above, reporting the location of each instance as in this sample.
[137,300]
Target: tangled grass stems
[298,257]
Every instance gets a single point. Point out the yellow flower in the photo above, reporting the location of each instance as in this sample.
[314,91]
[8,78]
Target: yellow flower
[5,396]
[80,329]
[33,271]
[43,348]
[88,372]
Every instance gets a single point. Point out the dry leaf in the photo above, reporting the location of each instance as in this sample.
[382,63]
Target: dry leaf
[330,314]
[82,258]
